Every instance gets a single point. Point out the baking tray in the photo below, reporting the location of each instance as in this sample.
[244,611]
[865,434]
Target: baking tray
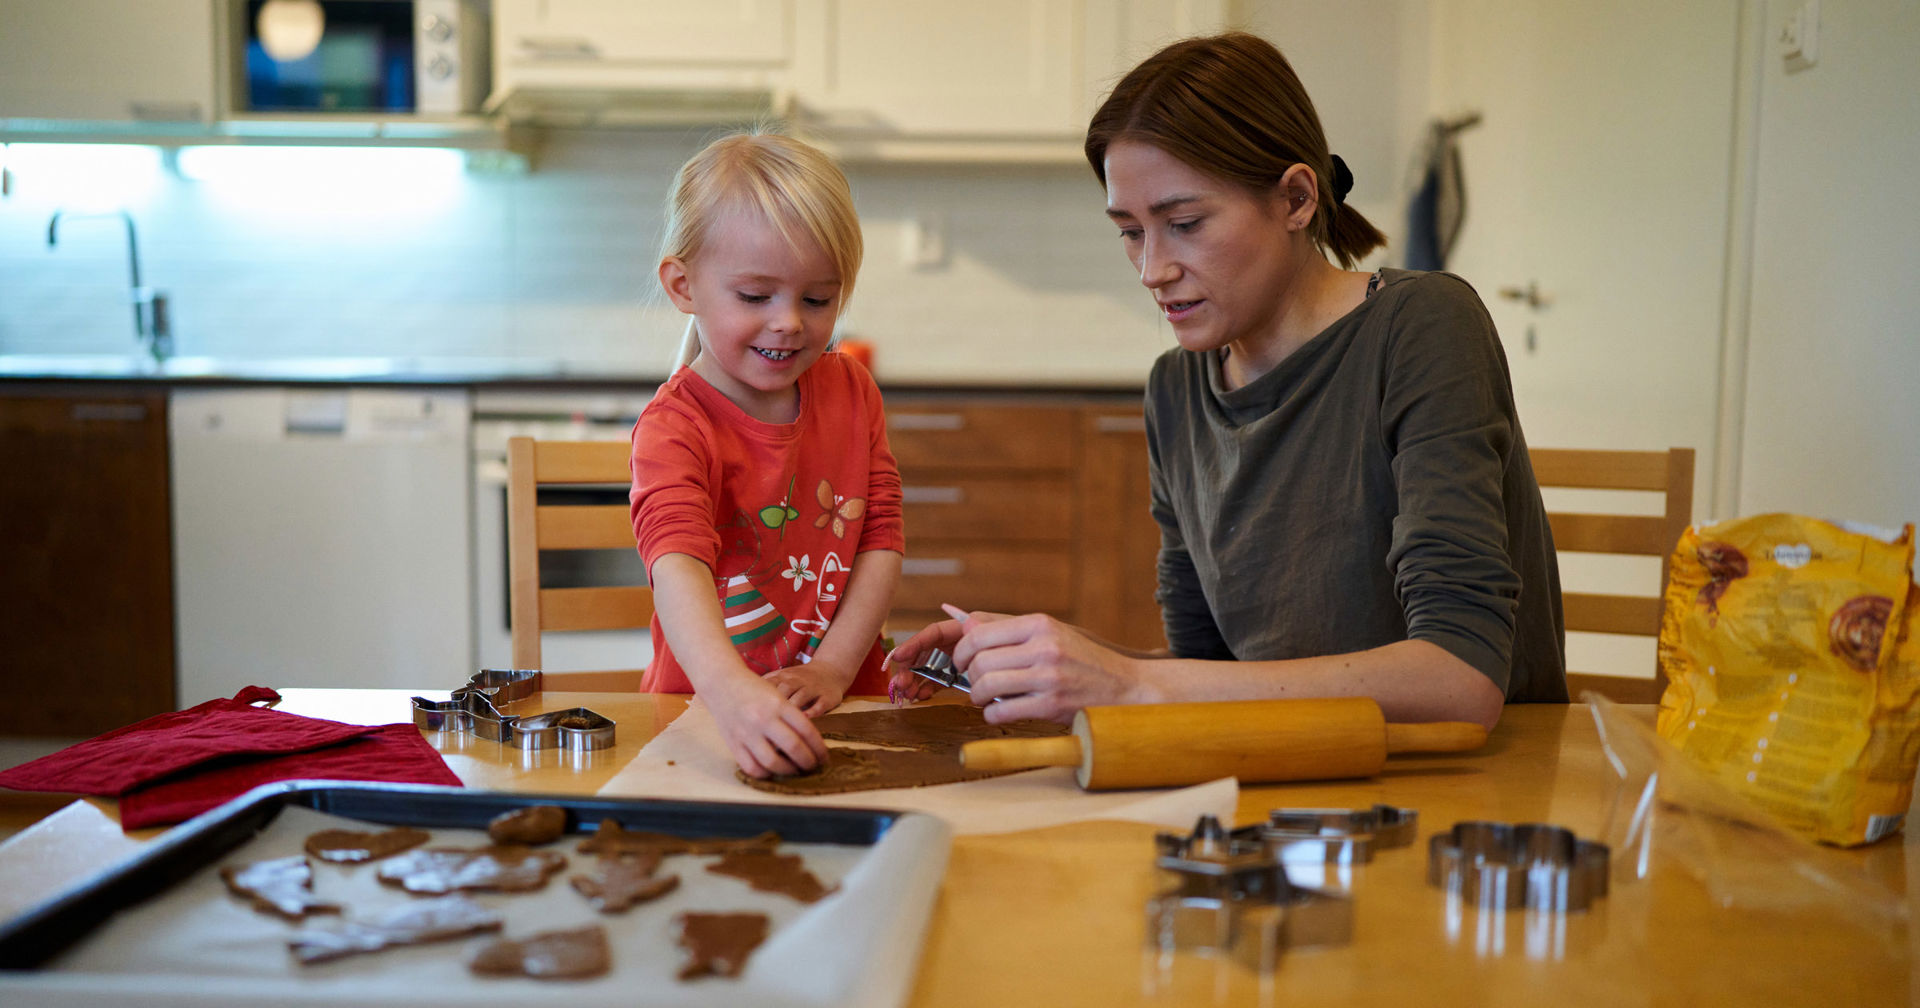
[42,933]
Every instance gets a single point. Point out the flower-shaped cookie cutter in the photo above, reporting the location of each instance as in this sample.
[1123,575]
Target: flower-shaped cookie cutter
[475,709]
[1506,866]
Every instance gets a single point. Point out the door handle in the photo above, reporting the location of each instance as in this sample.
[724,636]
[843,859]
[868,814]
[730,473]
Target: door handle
[1529,295]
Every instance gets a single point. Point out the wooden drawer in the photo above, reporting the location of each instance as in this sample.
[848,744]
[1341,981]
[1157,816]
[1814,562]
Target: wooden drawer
[937,436]
[994,508]
[1001,578]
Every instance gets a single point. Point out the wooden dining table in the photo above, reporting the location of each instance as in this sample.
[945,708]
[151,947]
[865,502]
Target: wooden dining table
[1057,916]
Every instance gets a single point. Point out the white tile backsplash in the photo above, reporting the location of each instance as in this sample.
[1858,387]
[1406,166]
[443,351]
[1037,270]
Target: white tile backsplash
[558,264]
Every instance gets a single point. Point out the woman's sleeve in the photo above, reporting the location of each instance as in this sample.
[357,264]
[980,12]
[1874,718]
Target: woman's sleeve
[1447,417]
[1184,613]
[883,527]
[671,502]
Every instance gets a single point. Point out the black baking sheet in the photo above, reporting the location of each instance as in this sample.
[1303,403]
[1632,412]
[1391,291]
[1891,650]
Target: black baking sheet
[32,938]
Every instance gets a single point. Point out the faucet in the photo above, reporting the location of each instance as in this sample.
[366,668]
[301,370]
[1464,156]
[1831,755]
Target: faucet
[150,324]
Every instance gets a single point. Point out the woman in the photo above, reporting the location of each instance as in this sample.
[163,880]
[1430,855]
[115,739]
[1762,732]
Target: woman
[1344,496]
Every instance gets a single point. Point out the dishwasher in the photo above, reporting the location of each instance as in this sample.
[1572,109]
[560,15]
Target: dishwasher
[321,538]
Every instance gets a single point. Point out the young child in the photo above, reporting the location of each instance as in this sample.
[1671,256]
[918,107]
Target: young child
[765,501]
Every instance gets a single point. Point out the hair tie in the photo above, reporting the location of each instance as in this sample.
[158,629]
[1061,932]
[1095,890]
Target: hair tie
[1342,180]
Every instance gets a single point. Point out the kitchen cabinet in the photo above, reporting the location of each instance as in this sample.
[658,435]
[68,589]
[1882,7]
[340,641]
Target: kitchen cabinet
[672,48]
[86,590]
[1025,506]
[993,78]
[107,60]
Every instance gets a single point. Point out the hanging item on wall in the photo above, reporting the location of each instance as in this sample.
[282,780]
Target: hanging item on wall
[1439,203]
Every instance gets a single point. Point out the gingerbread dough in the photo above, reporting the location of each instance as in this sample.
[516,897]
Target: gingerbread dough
[612,839]
[623,882]
[412,924]
[352,846]
[282,887]
[447,869]
[769,872]
[718,944]
[928,740]
[550,955]
[533,826]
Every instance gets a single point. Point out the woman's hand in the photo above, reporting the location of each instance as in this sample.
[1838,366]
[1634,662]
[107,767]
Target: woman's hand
[814,687]
[945,635]
[765,732]
[1035,666]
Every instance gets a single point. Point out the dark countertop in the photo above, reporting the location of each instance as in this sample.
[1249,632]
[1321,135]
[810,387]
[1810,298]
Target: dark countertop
[490,372]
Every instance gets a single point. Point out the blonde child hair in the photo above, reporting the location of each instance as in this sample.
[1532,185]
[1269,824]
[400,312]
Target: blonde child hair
[782,180]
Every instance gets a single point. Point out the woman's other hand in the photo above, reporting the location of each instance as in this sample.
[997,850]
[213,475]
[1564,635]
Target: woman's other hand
[765,733]
[1035,666]
[903,685]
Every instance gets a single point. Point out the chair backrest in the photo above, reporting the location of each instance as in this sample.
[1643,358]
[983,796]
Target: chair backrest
[533,527]
[1667,472]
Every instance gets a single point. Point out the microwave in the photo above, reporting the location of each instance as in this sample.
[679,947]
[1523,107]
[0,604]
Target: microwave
[360,57]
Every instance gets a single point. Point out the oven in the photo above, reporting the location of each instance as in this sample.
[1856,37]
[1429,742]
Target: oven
[569,416]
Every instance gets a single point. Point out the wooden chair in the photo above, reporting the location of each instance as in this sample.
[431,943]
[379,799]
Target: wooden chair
[1667,472]
[533,527]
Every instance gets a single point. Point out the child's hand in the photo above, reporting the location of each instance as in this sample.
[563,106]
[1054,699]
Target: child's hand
[764,732]
[903,685]
[813,687]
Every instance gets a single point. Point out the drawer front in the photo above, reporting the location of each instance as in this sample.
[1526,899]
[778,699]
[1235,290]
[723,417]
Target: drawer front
[1008,579]
[997,509]
[931,436]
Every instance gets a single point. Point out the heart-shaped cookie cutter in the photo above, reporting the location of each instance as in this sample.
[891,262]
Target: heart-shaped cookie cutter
[475,709]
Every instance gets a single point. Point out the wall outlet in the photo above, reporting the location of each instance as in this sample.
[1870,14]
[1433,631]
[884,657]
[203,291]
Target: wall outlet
[924,244]
[1800,36]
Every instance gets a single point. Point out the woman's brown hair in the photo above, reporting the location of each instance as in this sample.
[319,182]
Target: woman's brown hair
[1231,106]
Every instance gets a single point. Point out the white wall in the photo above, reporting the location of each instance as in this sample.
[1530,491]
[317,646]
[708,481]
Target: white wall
[1832,392]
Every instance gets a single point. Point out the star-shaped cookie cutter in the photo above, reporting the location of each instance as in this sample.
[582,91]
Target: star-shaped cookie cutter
[1505,866]
[475,709]
[1229,894]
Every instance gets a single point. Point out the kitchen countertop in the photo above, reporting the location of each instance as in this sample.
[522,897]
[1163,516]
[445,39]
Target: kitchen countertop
[1055,916]
[522,372]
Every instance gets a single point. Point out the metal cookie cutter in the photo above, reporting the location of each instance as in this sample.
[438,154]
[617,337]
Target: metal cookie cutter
[1504,866]
[1230,895]
[1337,836]
[938,668]
[473,709]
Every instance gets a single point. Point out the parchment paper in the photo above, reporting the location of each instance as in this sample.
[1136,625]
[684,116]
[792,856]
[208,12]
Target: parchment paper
[197,944]
[688,760]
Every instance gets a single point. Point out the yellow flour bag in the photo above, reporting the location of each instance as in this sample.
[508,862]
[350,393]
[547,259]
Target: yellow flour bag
[1793,670]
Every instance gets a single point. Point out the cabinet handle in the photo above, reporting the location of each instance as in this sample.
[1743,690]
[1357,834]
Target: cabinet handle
[115,412]
[1120,424]
[558,47]
[927,421]
[932,567]
[931,495]
[164,111]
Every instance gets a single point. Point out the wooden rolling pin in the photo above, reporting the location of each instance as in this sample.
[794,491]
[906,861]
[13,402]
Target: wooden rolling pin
[1258,741]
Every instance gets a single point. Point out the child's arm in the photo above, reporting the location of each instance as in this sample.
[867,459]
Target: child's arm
[764,732]
[818,686]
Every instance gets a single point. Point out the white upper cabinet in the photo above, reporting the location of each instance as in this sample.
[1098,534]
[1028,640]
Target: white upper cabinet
[107,60]
[641,44]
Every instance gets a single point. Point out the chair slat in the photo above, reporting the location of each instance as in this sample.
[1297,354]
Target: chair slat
[1600,470]
[585,526]
[581,462]
[1642,535]
[1621,614]
[619,608]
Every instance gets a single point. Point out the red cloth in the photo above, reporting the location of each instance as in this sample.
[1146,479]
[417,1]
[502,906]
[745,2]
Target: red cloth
[112,764]
[777,511]
[394,753]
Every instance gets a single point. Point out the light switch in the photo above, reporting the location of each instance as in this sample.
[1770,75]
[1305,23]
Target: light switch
[1800,36]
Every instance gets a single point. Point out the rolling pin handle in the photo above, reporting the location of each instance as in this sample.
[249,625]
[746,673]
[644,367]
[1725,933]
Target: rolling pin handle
[1435,736]
[1021,753]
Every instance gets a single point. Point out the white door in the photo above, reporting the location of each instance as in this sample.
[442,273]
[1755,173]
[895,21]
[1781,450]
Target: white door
[1599,180]
[1600,176]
